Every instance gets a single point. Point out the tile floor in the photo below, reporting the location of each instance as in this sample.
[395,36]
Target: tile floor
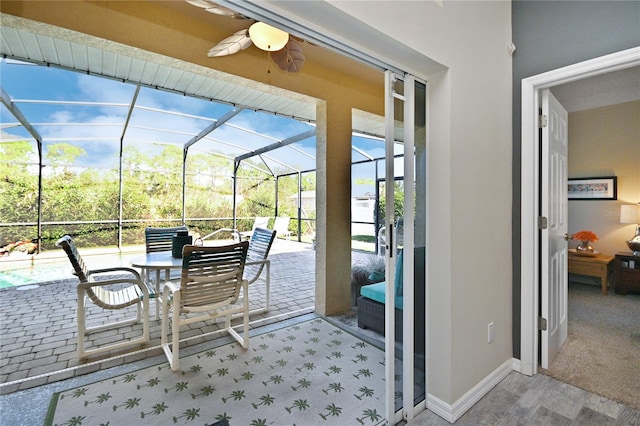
[539,400]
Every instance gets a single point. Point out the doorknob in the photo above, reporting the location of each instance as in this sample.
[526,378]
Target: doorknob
[567,237]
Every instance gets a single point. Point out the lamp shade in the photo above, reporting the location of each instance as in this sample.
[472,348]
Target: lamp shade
[630,214]
[268,38]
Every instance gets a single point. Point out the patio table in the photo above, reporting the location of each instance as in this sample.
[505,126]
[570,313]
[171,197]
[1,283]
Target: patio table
[157,262]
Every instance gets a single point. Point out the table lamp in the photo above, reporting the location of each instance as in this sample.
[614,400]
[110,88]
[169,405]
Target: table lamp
[631,214]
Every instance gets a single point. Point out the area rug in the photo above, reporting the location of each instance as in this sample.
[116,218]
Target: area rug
[305,374]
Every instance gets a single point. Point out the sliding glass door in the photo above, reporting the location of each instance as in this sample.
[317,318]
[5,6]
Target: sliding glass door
[405,251]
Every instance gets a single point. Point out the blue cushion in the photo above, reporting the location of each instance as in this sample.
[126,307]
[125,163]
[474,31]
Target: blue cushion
[376,292]
[376,277]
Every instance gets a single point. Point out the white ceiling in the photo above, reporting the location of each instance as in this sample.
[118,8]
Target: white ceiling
[603,90]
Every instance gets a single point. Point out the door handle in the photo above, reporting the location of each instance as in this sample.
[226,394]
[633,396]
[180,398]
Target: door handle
[567,237]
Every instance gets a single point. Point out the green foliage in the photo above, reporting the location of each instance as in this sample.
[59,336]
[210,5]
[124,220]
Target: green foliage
[398,202]
[19,187]
[151,193]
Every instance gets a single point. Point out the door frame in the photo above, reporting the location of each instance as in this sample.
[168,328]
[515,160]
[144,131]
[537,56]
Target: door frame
[530,162]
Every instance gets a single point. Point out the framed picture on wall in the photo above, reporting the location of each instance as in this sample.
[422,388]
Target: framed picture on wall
[596,188]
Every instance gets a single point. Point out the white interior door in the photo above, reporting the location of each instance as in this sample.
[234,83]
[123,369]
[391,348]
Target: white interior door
[553,204]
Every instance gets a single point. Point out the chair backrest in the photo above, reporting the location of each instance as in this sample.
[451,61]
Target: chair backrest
[212,275]
[259,246]
[260,222]
[281,225]
[79,267]
[161,239]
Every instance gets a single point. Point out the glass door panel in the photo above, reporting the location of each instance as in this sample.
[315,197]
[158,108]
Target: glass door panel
[403,213]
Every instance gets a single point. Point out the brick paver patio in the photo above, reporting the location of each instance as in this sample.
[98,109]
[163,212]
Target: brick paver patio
[38,323]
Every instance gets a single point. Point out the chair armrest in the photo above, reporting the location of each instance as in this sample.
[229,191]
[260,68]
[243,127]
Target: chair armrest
[169,289]
[258,262]
[231,230]
[116,269]
[143,287]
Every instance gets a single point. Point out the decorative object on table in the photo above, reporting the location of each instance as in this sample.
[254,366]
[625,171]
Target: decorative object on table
[181,239]
[585,238]
[604,188]
[631,214]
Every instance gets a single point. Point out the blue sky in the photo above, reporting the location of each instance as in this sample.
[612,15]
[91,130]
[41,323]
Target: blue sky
[98,128]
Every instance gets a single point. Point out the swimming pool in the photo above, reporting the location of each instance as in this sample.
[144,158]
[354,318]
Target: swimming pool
[35,274]
[29,271]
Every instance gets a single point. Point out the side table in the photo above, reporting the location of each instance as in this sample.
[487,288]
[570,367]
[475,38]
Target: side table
[626,269]
[594,266]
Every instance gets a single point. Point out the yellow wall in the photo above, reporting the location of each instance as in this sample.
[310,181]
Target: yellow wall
[605,142]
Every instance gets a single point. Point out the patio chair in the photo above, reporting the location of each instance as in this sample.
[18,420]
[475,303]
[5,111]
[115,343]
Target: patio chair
[161,239]
[282,227]
[209,287]
[157,240]
[110,294]
[235,234]
[259,222]
[257,262]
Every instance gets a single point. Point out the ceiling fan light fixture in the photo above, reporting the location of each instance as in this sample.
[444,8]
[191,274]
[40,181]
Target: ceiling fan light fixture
[268,38]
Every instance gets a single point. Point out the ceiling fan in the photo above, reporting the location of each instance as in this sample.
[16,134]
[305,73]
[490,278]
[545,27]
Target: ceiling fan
[284,49]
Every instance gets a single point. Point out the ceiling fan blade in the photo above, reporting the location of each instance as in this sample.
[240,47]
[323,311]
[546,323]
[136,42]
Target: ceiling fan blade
[212,7]
[291,58]
[240,40]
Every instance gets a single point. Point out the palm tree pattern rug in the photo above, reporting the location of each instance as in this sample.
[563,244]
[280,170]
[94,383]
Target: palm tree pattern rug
[311,373]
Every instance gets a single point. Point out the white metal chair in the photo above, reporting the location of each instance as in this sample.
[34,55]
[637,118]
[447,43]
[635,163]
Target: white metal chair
[259,222]
[107,294]
[210,285]
[157,240]
[281,226]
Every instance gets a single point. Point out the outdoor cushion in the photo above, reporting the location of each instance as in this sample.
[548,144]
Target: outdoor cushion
[376,292]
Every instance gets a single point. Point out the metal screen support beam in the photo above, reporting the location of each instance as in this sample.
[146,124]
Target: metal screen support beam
[284,142]
[184,185]
[236,165]
[210,128]
[121,171]
[13,109]
[299,206]
[277,187]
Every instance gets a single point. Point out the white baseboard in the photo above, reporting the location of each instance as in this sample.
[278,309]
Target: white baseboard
[452,412]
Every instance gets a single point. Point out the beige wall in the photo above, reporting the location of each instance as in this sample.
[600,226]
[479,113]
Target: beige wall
[470,180]
[605,142]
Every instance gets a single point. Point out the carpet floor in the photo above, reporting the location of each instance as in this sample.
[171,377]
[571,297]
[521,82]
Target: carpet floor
[602,351]
[306,374]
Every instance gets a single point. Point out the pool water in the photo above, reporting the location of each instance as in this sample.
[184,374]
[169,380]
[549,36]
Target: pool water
[26,272]
[35,274]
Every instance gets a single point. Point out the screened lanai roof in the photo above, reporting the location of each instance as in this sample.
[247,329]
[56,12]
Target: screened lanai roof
[145,99]
[64,106]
